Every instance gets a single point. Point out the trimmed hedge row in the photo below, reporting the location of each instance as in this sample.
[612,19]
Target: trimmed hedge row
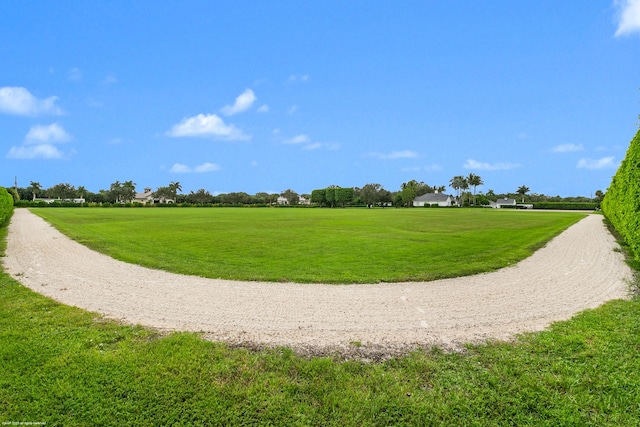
[621,204]
[6,206]
[587,206]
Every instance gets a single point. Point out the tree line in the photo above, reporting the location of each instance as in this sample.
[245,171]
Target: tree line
[370,194]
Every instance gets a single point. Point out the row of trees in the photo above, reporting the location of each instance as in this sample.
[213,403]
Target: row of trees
[371,194]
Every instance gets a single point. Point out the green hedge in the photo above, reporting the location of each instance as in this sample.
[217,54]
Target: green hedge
[6,206]
[587,206]
[621,204]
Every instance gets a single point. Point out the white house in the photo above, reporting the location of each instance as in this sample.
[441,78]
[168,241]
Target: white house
[438,199]
[144,197]
[502,203]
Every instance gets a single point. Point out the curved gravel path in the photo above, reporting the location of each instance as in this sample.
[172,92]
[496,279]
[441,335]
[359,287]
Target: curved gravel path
[577,270]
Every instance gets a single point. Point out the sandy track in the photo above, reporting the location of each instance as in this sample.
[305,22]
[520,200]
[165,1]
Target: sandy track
[579,269]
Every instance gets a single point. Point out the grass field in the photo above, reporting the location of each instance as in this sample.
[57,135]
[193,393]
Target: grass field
[64,366]
[314,245]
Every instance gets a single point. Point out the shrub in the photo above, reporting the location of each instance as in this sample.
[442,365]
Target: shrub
[621,204]
[566,205]
[6,206]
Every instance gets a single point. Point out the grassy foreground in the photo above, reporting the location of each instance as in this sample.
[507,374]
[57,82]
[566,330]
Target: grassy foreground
[314,245]
[65,366]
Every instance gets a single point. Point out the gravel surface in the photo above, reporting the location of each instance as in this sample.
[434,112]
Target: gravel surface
[577,270]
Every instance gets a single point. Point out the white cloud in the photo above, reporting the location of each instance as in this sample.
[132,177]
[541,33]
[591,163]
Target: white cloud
[110,79]
[75,75]
[40,151]
[18,100]
[567,148]
[205,167]
[206,125]
[603,163]
[263,109]
[298,139]
[628,17]
[474,164]
[292,109]
[313,146]
[244,101]
[296,78]
[180,168]
[45,134]
[39,143]
[404,154]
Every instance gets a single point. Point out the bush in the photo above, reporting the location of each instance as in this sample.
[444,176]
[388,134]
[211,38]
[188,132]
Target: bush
[621,204]
[566,205]
[6,206]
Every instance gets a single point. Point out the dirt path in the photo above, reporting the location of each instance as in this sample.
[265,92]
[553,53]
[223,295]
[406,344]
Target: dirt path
[579,269]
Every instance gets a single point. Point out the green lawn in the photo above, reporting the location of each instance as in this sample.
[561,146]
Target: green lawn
[314,245]
[60,365]
[68,367]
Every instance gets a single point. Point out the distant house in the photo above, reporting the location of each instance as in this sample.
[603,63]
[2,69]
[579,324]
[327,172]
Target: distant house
[49,201]
[144,197]
[438,199]
[148,197]
[503,203]
[282,200]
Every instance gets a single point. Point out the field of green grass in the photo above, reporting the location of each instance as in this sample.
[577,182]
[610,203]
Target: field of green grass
[314,245]
[60,365]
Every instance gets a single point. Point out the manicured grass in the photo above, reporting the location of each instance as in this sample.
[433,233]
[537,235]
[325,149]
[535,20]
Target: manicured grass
[65,366]
[314,245]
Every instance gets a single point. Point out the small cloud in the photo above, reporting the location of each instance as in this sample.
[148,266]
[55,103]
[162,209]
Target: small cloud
[180,168]
[474,164]
[205,167]
[41,151]
[209,125]
[592,164]
[298,139]
[244,101]
[292,109]
[523,135]
[299,78]
[115,141]
[19,101]
[628,17]
[313,146]
[75,75]
[109,79]
[405,154]
[428,168]
[254,163]
[567,148]
[263,109]
[45,134]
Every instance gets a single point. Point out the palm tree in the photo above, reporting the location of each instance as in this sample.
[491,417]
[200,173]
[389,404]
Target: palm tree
[522,191]
[35,188]
[458,182]
[474,180]
[174,187]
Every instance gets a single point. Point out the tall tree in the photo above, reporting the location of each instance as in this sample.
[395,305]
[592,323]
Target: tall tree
[474,181]
[35,188]
[63,191]
[174,187]
[128,191]
[370,194]
[457,183]
[522,191]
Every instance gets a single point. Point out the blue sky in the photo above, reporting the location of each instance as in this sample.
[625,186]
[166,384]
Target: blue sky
[268,95]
